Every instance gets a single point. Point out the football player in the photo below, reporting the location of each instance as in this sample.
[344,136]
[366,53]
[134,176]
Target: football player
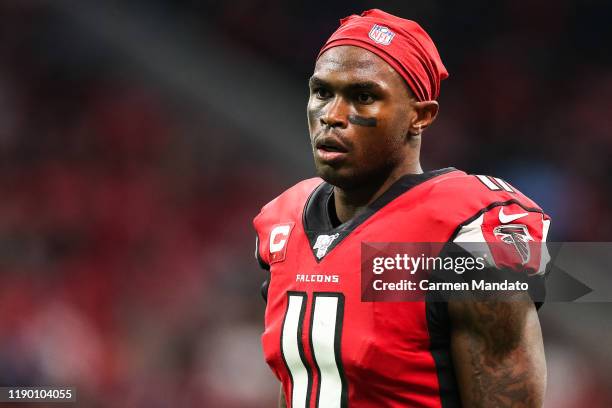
[372,94]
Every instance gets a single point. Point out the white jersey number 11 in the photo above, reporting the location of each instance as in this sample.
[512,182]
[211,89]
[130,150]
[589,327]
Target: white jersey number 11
[325,337]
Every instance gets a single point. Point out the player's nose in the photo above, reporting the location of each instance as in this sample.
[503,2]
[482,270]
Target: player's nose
[336,114]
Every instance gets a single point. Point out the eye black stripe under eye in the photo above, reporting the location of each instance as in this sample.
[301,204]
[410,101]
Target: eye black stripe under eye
[362,121]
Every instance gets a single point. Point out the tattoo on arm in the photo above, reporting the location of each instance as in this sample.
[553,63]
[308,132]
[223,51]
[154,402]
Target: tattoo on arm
[498,383]
[498,353]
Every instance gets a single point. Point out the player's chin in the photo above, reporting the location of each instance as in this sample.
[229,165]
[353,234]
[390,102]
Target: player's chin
[342,176]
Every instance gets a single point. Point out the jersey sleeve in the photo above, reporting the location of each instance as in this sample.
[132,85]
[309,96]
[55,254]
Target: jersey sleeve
[262,263]
[508,235]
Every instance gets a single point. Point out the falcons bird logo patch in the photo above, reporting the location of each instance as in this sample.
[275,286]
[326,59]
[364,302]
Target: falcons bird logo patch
[516,235]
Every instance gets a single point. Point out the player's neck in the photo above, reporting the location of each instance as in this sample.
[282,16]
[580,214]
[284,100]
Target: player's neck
[350,203]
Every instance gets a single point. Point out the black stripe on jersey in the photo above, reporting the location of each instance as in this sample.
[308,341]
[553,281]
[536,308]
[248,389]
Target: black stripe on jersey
[488,208]
[316,218]
[300,330]
[314,359]
[337,345]
[438,325]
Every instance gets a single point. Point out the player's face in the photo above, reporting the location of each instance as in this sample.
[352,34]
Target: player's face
[359,114]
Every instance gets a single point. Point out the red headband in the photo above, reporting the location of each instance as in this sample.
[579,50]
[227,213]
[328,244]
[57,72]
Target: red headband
[402,43]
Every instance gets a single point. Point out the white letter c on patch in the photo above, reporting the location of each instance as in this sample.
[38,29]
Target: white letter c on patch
[282,232]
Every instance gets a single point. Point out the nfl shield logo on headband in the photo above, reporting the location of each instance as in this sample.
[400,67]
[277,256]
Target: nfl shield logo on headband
[381,34]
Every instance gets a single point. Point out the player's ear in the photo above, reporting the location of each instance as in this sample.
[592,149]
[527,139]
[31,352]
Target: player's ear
[425,114]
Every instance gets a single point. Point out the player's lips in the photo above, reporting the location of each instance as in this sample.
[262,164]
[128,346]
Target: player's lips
[330,149]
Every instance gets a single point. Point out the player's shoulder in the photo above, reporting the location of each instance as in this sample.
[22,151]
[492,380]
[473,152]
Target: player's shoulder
[479,191]
[486,209]
[291,201]
[299,192]
[276,220]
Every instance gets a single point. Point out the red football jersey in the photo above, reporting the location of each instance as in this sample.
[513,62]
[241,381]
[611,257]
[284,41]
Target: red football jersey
[330,349]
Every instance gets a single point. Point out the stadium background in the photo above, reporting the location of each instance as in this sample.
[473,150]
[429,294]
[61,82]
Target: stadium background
[137,142]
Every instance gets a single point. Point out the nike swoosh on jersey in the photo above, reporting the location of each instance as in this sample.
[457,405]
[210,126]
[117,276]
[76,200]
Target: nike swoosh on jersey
[506,218]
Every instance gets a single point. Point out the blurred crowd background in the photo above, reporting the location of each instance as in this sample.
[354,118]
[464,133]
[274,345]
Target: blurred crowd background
[138,141]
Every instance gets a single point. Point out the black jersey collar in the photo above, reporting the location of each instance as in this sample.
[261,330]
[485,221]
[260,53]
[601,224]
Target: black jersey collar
[324,237]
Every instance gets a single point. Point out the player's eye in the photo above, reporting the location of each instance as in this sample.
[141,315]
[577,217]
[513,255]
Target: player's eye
[365,98]
[321,93]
